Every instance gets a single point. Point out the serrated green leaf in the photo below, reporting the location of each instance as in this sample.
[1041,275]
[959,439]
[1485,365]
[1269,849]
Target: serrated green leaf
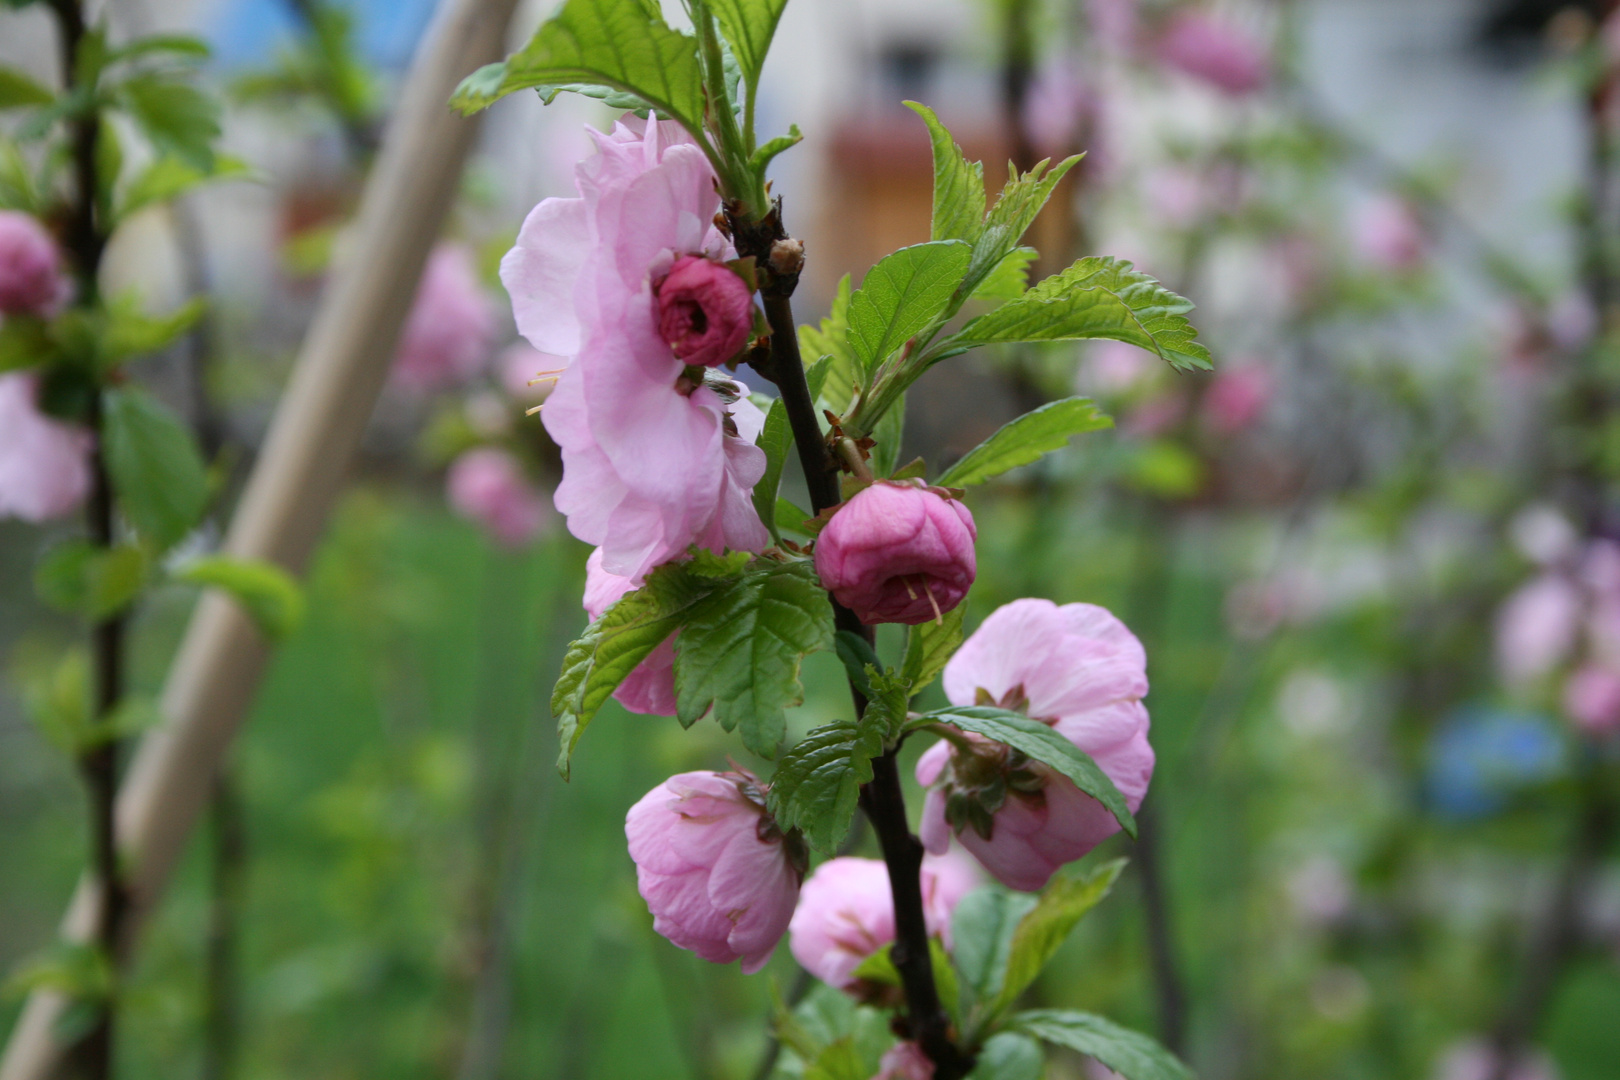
[155,466]
[18,191]
[741,647]
[958,184]
[749,26]
[607,95]
[856,654]
[1041,743]
[815,373]
[1009,278]
[169,177]
[1025,440]
[817,783]
[902,294]
[179,118]
[982,929]
[929,646]
[1009,1055]
[839,1060]
[1129,1053]
[615,43]
[879,968]
[831,340]
[791,518]
[79,577]
[761,158]
[1097,297]
[17,88]
[128,331]
[776,439]
[269,594]
[1062,904]
[1020,202]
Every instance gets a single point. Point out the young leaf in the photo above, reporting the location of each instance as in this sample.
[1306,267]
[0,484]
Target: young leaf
[79,577]
[129,331]
[169,178]
[1026,439]
[888,434]
[815,374]
[1008,1055]
[1129,1053]
[25,341]
[903,293]
[265,590]
[155,466]
[818,781]
[857,655]
[776,439]
[59,702]
[958,184]
[621,44]
[759,159]
[1097,297]
[179,118]
[749,26]
[879,968]
[831,340]
[741,646]
[1009,278]
[1015,211]
[790,518]
[1044,745]
[18,88]
[982,929]
[1062,904]
[929,646]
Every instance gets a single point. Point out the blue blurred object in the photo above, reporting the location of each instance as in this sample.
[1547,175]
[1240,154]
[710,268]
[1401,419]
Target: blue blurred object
[1480,756]
[248,32]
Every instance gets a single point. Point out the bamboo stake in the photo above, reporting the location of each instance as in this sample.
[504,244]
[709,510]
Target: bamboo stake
[290,495]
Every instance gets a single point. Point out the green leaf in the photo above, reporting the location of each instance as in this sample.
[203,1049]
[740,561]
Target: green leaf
[776,439]
[109,163]
[19,89]
[1016,208]
[611,647]
[79,577]
[179,118]
[184,46]
[18,191]
[902,294]
[269,594]
[958,184]
[1044,745]
[879,968]
[815,374]
[613,99]
[1097,297]
[169,177]
[749,26]
[929,646]
[1009,278]
[130,332]
[982,929]
[762,157]
[1025,440]
[1008,1055]
[741,647]
[888,435]
[155,466]
[1063,902]
[840,1060]
[59,702]
[857,655]
[1165,468]
[790,518]
[1129,1053]
[622,44]
[831,339]
[818,781]
[25,341]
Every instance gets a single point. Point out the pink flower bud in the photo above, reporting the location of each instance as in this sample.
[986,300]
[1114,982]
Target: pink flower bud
[717,873]
[1237,398]
[905,1061]
[31,278]
[1592,699]
[1208,48]
[44,463]
[488,486]
[705,311]
[846,911]
[650,688]
[898,552]
[448,334]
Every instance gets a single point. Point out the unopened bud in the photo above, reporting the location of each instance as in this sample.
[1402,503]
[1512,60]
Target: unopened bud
[787,256]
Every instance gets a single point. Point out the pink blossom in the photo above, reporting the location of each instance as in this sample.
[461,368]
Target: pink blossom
[649,689]
[31,278]
[44,463]
[713,867]
[905,1061]
[1536,628]
[1113,24]
[526,373]
[1475,1059]
[1592,699]
[1237,398]
[898,552]
[1208,48]
[1388,234]
[653,459]
[1077,668]
[451,328]
[488,486]
[705,311]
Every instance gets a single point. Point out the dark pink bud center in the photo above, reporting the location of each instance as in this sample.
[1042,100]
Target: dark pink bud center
[705,311]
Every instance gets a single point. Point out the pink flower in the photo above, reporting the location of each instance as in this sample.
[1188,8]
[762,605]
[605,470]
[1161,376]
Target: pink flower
[31,278]
[1536,627]
[650,688]
[898,552]
[705,311]
[526,373]
[451,328]
[1208,48]
[44,463]
[1388,234]
[488,486]
[846,911]
[714,869]
[1237,398]
[905,1061]
[654,460]
[1076,668]
[1592,699]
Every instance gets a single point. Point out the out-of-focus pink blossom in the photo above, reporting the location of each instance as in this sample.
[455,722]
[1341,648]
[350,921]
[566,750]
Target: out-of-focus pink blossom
[1592,699]
[1113,24]
[448,335]
[527,374]
[649,689]
[905,1061]
[488,485]
[898,552]
[1237,398]
[1056,110]
[714,869]
[1388,234]
[1176,195]
[705,311]
[31,278]
[946,879]
[1536,628]
[1157,415]
[44,463]
[1077,668]
[1207,47]
[1474,1059]
[1600,568]
[1113,367]
[653,461]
